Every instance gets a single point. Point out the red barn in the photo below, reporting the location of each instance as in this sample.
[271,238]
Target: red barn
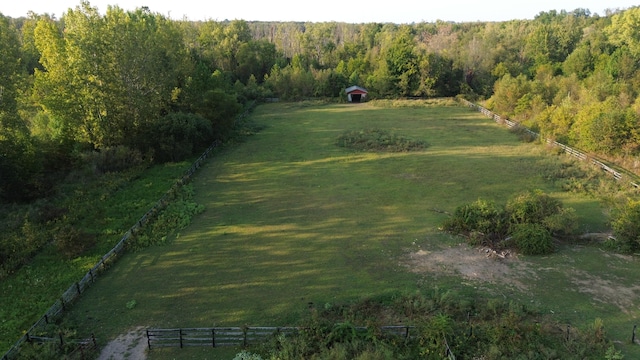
[356,93]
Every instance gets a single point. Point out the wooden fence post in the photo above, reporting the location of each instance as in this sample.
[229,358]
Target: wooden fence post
[213,337]
[180,331]
[633,334]
[244,337]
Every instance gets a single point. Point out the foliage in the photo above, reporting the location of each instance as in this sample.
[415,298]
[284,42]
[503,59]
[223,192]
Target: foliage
[177,136]
[378,140]
[531,207]
[71,241]
[532,239]
[484,221]
[114,159]
[626,225]
[490,328]
[170,220]
[527,221]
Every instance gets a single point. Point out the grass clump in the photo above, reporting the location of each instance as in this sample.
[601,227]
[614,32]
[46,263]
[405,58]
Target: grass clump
[378,140]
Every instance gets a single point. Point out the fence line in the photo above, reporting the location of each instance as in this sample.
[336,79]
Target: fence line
[75,290]
[573,152]
[241,336]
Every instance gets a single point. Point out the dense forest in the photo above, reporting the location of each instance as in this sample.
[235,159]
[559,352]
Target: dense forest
[132,88]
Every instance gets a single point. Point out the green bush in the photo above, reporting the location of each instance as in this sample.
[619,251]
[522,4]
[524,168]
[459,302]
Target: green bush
[485,223]
[532,239]
[114,159]
[482,220]
[177,136]
[626,226]
[531,207]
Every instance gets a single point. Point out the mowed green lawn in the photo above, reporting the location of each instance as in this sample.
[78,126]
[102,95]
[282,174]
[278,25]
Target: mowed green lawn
[292,219]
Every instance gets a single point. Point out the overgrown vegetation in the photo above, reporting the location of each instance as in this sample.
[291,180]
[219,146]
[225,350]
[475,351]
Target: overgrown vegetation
[528,222]
[443,320]
[378,140]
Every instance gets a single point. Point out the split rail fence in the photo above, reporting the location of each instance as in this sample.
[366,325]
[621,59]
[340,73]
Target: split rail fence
[573,152]
[242,336]
[75,290]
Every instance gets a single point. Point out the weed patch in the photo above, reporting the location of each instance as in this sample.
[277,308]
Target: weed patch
[378,140]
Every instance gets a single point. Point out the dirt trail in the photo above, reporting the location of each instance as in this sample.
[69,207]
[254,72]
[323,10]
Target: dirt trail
[130,346]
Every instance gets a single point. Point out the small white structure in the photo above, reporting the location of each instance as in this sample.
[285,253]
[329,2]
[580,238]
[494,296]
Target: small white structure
[356,93]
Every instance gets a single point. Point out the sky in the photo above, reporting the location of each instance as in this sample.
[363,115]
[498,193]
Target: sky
[350,11]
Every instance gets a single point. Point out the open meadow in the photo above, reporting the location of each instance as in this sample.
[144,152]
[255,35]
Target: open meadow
[294,221]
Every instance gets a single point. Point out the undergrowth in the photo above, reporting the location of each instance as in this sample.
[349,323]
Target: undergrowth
[176,216]
[378,140]
[442,322]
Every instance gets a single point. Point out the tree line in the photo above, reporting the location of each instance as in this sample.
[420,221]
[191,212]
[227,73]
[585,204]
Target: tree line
[131,87]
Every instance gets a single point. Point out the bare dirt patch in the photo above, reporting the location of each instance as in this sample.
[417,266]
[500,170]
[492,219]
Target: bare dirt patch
[483,266]
[607,291]
[479,265]
[131,346]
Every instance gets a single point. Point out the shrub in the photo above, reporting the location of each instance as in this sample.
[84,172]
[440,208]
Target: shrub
[523,133]
[70,241]
[177,135]
[531,207]
[562,223]
[114,159]
[626,225]
[486,223]
[482,220]
[532,239]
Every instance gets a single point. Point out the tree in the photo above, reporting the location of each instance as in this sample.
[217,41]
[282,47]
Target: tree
[106,78]
[602,127]
[402,62]
[255,58]
[623,31]
[507,92]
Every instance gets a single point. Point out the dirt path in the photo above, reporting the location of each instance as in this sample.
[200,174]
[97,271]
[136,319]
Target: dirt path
[130,346]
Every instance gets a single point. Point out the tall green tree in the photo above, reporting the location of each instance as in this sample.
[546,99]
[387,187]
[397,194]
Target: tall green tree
[20,170]
[402,62]
[106,78]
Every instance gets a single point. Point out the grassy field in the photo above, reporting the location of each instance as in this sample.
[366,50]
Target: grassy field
[292,219]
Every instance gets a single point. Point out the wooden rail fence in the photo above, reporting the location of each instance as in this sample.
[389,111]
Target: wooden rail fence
[573,152]
[241,336]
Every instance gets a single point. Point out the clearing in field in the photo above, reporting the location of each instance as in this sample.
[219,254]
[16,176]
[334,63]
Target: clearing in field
[294,221]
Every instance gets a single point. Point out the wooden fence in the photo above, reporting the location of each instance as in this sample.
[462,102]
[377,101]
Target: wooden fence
[84,349]
[241,336]
[573,152]
[76,289]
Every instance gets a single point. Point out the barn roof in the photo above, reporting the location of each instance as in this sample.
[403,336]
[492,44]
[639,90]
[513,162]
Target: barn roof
[353,88]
